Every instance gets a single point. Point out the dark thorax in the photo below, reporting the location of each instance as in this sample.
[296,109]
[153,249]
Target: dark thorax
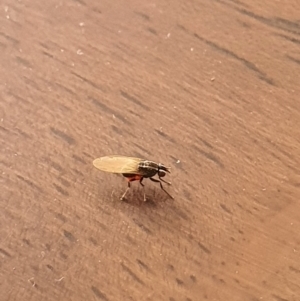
[148,168]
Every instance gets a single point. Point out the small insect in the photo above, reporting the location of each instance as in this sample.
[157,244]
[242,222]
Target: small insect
[133,169]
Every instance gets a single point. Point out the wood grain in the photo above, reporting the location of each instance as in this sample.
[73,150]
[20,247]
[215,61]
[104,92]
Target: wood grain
[210,88]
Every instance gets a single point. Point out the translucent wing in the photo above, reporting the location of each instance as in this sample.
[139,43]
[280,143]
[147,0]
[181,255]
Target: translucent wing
[118,164]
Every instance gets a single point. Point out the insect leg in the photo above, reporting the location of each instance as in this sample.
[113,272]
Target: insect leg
[123,196]
[169,183]
[161,186]
[141,180]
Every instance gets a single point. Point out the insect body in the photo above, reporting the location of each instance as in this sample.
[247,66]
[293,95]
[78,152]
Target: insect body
[133,169]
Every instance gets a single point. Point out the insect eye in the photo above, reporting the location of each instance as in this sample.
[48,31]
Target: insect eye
[161,173]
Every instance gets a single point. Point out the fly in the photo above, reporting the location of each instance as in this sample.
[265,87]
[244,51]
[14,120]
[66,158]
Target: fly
[133,169]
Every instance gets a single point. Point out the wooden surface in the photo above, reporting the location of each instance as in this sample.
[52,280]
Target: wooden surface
[210,88]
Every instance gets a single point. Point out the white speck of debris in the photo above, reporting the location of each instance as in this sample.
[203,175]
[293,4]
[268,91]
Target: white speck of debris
[114,117]
[60,279]
[81,24]
[192,49]
[79,52]
[7,17]
[61,50]
[1,119]
[264,189]
[72,64]
[212,79]
[178,161]
[168,35]
[31,280]
[175,107]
